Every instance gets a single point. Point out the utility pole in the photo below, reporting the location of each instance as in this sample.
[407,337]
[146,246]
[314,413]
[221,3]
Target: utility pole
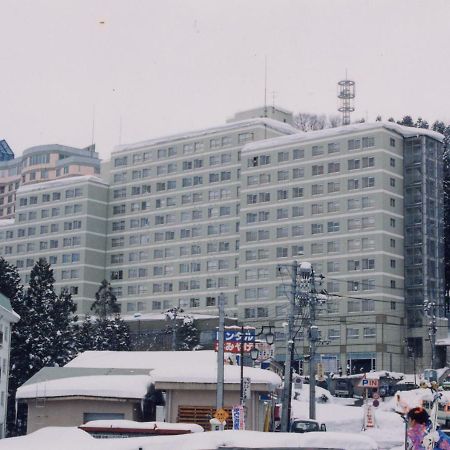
[286,400]
[220,352]
[241,357]
[313,338]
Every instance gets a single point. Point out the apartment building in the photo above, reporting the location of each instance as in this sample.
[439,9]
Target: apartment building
[361,203]
[173,227]
[178,220]
[39,164]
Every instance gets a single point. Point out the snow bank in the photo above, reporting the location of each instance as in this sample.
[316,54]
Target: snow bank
[115,386]
[349,419]
[74,439]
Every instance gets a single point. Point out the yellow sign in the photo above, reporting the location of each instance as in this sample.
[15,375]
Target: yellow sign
[221,415]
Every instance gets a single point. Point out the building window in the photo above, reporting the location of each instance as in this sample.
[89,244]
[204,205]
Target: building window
[370,332]
[352,333]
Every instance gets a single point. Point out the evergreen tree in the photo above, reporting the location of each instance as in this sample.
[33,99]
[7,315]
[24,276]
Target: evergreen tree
[64,347]
[120,335]
[86,334]
[104,332]
[378,119]
[406,121]
[11,287]
[188,335]
[420,123]
[44,335]
[108,334]
[10,283]
[105,301]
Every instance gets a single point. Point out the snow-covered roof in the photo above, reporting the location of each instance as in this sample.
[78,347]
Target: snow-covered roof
[130,424]
[111,386]
[445,341]
[6,222]
[300,138]
[60,182]
[144,317]
[374,375]
[172,367]
[231,126]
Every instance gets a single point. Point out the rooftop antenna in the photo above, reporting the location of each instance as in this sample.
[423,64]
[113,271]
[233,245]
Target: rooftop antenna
[120,130]
[346,95]
[265,86]
[93,123]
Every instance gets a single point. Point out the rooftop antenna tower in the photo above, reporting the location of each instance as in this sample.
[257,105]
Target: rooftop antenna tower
[265,86]
[346,95]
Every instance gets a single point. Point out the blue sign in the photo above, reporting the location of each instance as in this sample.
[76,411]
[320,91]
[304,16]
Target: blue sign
[235,335]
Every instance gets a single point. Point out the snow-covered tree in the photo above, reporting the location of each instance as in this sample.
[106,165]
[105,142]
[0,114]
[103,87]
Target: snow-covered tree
[407,121]
[10,284]
[188,335]
[86,334]
[45,334]
[64,347]
[105,301]
[11,287]
[107,334]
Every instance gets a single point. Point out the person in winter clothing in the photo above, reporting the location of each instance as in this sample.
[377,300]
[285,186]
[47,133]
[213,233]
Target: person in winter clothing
[418,427]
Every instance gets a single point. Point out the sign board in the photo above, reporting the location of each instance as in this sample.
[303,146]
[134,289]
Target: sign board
[234,334]
[246,388]
[375,395]
[221,415]
[238,415]
[369,383]
[234,347]
[266,351]
[376,403]
[233,337]
[320,372]
[369,418]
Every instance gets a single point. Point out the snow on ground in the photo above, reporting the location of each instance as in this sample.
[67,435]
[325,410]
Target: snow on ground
[54,438]
[389,430]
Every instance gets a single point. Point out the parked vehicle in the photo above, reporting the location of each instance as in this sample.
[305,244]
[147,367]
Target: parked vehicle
[305,426]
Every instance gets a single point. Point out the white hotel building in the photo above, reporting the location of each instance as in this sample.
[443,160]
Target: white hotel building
[177,220]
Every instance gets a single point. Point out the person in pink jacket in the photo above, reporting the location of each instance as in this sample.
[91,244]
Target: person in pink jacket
[418,428]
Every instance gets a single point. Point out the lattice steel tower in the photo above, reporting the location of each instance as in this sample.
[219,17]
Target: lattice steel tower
[346,94]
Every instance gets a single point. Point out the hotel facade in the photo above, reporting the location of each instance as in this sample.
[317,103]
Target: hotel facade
[178,220]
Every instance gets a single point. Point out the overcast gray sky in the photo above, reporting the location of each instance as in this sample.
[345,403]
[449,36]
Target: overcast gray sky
[165,66]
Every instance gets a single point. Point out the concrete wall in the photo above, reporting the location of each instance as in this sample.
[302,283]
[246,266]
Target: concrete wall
[69,412]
